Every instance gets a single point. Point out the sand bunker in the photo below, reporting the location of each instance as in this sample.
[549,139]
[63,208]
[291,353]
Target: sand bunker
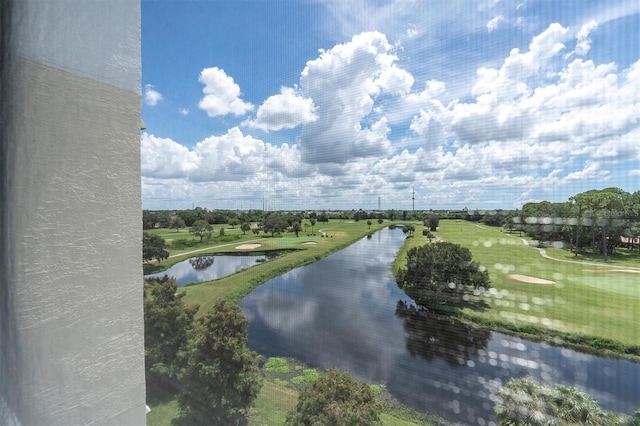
[629,271]
[531,280]
[309,243]
[247,246]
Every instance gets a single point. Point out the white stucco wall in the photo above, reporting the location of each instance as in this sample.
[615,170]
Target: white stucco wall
[74,220]
[92,39]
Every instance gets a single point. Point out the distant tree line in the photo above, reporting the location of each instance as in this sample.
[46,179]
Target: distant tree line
[595,221]
[178,219]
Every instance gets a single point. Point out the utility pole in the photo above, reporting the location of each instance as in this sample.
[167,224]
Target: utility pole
[413,199]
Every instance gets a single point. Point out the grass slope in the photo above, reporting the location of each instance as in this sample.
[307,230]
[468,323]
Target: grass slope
[586,309]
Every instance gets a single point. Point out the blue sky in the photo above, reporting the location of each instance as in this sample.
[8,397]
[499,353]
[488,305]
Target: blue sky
[331,104]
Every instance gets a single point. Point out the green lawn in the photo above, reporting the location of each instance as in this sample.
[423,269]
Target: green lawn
[582,301]
[163,413]
[272,405]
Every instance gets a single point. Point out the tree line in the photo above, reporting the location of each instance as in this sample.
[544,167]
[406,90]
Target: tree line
[595,221]
[186,218]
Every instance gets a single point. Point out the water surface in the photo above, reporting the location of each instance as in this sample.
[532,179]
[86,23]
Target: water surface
[343,311]
[207,268]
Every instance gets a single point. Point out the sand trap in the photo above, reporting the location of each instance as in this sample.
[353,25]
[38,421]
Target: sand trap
[531,280]
[309,243]
[629,271]
[247,246]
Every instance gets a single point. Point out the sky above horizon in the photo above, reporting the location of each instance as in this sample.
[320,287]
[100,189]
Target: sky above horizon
[338,104]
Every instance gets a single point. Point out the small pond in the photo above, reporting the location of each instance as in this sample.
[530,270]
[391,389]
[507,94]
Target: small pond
[343,311]
[212,267]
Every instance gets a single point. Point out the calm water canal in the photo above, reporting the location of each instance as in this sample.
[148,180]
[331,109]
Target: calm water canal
[343,311]
[207,268]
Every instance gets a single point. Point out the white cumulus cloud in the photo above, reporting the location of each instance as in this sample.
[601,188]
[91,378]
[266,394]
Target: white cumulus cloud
[344,83]
[285,110]
[165,158]
[583,42]
[151,95]
[230,157]
[539,121]
[221,94]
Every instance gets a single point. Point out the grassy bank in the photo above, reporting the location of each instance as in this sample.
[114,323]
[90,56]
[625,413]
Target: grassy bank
[590,306]
[340,234]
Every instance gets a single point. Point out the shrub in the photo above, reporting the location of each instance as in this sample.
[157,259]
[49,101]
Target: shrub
[277,365]
[526,401]
[335,399]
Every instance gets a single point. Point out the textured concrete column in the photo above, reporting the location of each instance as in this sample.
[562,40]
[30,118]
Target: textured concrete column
[73,334]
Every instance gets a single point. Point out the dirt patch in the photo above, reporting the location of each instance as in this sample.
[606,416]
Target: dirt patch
[248,246]
[528,279]
[629,271]
[308,243]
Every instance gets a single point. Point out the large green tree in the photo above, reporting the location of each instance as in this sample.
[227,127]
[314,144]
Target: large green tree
[335,399]
[274,224]
[296,227]
[153,247]
[409,229]
[442,276]
[432,221]
[221,378]
[177,223]
[608,213]
[153,219]
[167,322]
[244,227]
[201,228]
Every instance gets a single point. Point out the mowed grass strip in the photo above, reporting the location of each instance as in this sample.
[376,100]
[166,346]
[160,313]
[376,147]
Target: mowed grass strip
[597,309]
[272,405]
